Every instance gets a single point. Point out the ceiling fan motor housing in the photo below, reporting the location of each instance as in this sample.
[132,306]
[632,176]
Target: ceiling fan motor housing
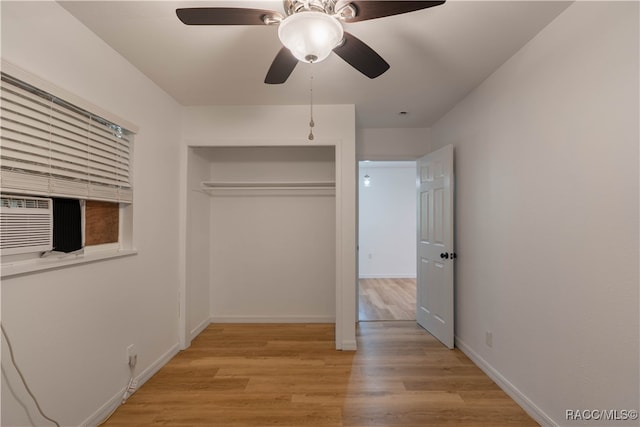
[345,13]
[295,6]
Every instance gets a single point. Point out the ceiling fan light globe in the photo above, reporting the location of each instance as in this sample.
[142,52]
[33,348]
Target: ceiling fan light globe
[310,35]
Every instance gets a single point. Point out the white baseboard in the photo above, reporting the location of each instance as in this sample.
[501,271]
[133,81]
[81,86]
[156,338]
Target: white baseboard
[198,329]
[272,319]
[521,399]
[387,276]
[105,410]
[349,345]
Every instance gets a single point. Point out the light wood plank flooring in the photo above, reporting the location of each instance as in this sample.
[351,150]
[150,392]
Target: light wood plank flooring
[387,299]
[290,375]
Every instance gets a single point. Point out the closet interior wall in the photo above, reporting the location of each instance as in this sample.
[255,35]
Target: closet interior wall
[271,235]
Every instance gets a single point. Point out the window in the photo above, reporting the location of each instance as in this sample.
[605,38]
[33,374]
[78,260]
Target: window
[81,161]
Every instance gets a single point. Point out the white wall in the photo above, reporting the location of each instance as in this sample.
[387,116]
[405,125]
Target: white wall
[387,219]
[392,143]
[546,154]
[260,126]
[70,327]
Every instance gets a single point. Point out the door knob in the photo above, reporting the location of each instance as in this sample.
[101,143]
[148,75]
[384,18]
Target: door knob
[444,255]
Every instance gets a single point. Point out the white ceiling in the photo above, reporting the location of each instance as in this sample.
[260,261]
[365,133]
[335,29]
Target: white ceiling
[437,55]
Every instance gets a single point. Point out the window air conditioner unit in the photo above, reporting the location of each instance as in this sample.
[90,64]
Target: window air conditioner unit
[26,225]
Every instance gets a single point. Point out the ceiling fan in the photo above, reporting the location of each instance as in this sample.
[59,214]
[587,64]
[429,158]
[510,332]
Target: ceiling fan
[311,29]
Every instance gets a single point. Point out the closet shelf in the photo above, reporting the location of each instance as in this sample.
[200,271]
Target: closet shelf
[269,188]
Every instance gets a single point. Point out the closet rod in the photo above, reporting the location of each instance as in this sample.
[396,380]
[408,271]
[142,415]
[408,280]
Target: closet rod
[267,184]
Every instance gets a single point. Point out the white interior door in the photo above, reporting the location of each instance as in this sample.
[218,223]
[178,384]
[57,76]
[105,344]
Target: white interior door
[435,255]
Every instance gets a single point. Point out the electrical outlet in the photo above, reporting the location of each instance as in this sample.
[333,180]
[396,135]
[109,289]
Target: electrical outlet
[132,356]
[488,339]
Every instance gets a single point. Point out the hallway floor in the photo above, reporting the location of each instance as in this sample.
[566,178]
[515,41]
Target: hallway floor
[387,299]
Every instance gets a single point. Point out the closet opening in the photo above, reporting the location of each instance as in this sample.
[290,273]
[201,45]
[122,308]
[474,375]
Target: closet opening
[261,235]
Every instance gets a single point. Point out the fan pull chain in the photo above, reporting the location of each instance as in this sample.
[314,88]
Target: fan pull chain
[311,123]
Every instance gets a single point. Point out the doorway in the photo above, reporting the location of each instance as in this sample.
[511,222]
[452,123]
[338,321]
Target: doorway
[387,240]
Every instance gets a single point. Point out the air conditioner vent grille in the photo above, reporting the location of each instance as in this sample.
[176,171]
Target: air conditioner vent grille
[28,203]
[26,225]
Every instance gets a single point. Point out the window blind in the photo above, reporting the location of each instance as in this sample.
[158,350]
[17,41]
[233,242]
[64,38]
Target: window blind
[51,147]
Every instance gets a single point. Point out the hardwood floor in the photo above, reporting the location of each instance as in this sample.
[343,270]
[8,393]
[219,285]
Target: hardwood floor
[387,299]
[290,375]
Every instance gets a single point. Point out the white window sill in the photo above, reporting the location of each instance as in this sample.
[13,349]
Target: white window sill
[17,268]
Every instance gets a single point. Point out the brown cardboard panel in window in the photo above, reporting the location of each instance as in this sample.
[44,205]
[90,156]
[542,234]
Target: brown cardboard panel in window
[101,222]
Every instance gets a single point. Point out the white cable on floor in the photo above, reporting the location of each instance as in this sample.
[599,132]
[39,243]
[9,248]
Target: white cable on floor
[13,361]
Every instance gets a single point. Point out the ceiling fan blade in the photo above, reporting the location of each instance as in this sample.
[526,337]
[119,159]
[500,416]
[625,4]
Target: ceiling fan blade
[372,9]
[281,67]
[223,16]
[361,57]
